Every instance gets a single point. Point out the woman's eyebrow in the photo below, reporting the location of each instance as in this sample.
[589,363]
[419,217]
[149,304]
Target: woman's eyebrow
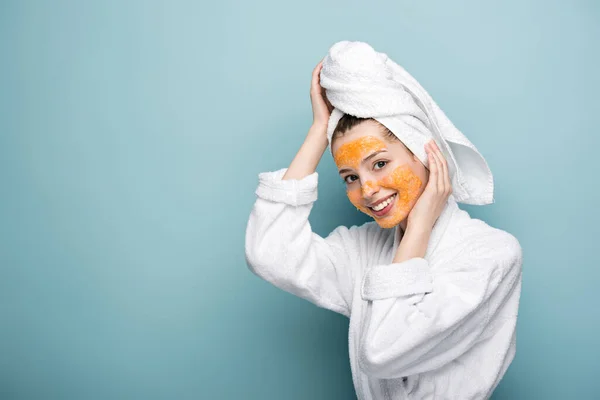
[367,158]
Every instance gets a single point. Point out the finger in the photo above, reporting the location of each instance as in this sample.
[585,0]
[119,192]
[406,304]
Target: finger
[315,74]
[432,167]
[444,169]
[319,66]
[316,70]
[438,165]
[446,174]
[316,81]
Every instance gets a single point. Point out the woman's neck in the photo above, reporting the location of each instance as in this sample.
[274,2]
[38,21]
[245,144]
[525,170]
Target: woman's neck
[402,225]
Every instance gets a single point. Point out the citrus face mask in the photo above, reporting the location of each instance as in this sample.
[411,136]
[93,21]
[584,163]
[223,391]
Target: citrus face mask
[401,180]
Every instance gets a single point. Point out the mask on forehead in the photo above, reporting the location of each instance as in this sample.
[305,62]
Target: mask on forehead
[400,179]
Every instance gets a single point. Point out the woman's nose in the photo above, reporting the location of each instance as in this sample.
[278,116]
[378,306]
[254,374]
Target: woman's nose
[369,189]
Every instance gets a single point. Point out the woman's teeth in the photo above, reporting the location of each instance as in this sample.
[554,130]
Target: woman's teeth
[381,206]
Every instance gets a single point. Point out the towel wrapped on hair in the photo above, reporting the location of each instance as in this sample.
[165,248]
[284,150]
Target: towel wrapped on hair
[365,83]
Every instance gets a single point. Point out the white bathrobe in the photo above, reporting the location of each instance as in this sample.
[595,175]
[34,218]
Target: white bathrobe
[437,327]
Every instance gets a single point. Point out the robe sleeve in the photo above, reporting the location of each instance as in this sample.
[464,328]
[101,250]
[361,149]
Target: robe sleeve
[420,318]
[282,249]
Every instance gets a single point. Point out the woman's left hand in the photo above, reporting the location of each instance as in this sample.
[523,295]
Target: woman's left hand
[432,201]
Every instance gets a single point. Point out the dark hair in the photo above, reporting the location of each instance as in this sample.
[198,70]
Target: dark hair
[348,121]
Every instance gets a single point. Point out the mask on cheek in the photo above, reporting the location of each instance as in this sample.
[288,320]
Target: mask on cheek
[407,186]
[402,180]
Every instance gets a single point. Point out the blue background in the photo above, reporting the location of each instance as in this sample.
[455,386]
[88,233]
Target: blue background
[131,137]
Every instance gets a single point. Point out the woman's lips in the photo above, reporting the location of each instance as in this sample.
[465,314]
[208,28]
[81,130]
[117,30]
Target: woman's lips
[386,209]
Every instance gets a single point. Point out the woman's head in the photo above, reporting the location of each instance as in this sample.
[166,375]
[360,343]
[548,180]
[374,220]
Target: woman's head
[375,165]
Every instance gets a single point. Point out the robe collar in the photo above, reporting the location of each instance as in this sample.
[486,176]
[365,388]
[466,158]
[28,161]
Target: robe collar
[437,232]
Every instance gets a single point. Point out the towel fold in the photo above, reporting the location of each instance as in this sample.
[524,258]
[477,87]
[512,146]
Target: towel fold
[365,83]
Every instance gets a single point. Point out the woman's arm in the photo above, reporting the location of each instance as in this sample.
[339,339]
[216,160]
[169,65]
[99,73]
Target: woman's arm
[431,316]
[419,319]
[315,144]
[306,160]
[281,247]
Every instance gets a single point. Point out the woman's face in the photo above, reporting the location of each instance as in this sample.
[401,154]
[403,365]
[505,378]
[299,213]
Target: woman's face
[383,178]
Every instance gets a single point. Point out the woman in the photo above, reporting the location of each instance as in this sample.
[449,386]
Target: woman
[432,294]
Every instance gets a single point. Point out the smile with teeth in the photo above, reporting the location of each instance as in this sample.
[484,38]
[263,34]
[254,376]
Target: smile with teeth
[383,204]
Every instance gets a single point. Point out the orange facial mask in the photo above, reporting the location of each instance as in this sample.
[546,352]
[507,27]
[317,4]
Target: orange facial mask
[401,179]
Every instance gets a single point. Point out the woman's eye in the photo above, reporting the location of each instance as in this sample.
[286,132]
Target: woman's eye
[350,176]
[381,162]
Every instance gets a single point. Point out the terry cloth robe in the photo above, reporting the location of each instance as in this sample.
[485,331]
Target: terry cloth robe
[437,327]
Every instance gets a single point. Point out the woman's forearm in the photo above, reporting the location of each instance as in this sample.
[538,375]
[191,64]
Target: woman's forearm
[306,160]
[413,244]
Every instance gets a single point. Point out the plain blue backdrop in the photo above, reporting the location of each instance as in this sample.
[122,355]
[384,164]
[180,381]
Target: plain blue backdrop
[131,137]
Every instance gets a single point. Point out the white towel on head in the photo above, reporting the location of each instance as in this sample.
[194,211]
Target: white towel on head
[365,83]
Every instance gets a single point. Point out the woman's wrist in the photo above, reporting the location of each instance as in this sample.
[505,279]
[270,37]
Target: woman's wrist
[418,230]
[413,244]
[316,140]
[306,160]
[318,130]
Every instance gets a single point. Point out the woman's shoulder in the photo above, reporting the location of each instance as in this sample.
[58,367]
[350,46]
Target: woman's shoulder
[367,238]
[476,234]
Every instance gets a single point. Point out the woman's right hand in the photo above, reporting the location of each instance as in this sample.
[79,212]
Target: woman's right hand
[320,105]
[315,144]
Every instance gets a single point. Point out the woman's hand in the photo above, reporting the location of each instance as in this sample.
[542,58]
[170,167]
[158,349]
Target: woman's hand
[432,201]
[320,105]
[315,144]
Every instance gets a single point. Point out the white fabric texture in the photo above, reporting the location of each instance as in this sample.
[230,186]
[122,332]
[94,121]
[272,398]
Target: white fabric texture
[437,327]
[365,83]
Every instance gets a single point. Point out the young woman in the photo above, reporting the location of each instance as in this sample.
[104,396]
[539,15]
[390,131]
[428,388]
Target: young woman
[432,294]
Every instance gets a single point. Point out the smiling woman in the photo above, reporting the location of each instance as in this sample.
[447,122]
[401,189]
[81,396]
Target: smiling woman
[383,177]
[432,294]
